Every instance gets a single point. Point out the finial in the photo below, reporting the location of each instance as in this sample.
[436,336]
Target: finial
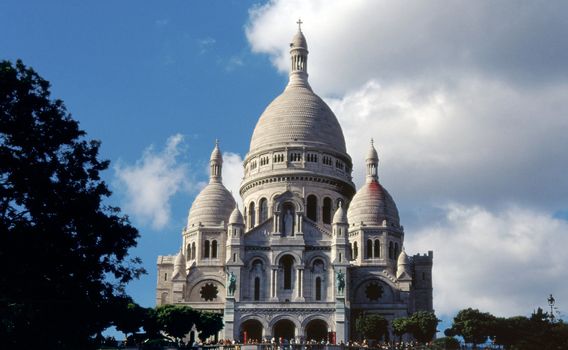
[372,142]
[299,24]
[216,142]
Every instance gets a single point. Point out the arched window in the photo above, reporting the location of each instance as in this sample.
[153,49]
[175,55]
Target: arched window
[287,262]
[257,289]
[377,248]
[326,210]
[214,249]
[391,251]
[193,250]
[396,251]
[251,221]
[263,206]
[351,250]
[369,249]
[206,249]
[318,288]
[355,250]
[312,207]
[188,252]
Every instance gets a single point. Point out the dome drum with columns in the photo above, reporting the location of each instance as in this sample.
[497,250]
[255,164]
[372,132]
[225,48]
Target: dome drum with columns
[307,254]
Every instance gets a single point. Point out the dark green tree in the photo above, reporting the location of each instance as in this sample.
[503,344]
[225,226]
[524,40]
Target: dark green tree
[422,325]
[372,326]
[130,318]
[150,324]
[474,326]
[177,320]
[63,252]
[400,326]
[510,331]
[209,324]
[447,343]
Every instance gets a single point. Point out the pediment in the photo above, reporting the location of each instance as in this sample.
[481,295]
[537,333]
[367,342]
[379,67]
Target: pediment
[261,233]
[313,233]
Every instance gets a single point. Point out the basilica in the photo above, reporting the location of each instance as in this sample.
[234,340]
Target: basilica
[308,253]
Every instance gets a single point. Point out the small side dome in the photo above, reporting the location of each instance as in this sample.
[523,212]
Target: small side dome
[212,206]
[236,217]
[371,205]
[340,216]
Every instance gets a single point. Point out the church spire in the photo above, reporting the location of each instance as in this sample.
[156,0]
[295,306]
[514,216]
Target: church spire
[299,58]
[372,161]
[215,164]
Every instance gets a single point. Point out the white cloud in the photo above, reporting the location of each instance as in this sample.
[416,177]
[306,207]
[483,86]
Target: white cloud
[233,173]
[350,41]
[481,142]
[467,104]
[150,183]
[506,263]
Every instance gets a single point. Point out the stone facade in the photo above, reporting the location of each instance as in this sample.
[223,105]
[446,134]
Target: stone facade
[310,254]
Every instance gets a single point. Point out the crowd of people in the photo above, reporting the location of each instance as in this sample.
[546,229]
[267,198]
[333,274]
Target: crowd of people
[312,344]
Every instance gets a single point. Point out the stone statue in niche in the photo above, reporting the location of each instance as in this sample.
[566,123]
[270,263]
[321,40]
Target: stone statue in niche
[340,279]
[232,283]
[288,222]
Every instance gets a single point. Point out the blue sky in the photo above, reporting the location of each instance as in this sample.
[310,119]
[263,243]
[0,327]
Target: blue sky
[133,75]
[466,101]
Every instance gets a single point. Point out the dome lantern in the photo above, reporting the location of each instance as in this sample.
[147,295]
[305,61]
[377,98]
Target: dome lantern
[215,164]
[372,161]
[299,59]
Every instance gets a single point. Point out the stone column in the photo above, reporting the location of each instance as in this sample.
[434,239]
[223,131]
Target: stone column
[299,287]
[273,282]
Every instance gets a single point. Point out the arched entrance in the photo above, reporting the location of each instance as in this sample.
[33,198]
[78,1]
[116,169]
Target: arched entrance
[284,329]
[253,331]
[316,330]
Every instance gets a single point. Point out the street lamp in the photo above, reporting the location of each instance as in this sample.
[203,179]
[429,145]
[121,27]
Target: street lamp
[551,302]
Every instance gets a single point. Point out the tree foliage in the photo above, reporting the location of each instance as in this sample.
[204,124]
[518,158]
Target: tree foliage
[422,325]
[448,343]
[177,320]
[209,324]
[63,252]
[473,325]
[400,326]
[131,316]
[372,326]
[534,332]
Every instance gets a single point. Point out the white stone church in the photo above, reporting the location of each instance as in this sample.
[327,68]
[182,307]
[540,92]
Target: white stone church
[309,253]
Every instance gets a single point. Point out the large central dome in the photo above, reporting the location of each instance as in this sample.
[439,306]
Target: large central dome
[298,116]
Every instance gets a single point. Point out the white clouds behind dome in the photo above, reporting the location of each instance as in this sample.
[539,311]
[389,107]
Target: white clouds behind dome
[467,104]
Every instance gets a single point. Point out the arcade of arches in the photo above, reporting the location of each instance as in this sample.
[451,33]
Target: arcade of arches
[253,331]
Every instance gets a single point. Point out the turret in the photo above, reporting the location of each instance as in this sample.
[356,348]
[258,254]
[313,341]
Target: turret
[179,278]
[179,267]
[340,247]
[402,267]
[235,245]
